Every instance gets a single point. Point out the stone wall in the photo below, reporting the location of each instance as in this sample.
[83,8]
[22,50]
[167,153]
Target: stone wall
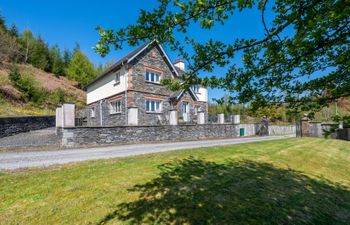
[343,134]
[249,129]
[281,129]
[253,129]
[14,125]
[81,136]
[316,129]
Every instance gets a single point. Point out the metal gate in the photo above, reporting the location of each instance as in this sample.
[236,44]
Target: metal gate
[298,127]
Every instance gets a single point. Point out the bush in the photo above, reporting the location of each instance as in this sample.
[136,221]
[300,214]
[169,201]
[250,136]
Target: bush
[345,119]
[14,75]
[28,86]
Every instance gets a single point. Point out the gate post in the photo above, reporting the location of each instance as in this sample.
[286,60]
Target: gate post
[68,111]
[305,124]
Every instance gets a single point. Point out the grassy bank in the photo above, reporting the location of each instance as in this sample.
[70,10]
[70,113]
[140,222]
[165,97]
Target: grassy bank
[295,181]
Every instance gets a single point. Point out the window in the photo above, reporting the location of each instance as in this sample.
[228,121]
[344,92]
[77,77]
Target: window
[152,76]
[92,112]
[184,107]
[195,88]
[117,78]
[152,106]
[116,107]
[197,109]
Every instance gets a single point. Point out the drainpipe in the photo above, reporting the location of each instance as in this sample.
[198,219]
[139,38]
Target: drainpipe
[126,73]
[101,113]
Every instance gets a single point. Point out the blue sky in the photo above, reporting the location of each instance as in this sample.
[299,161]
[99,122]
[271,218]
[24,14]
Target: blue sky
[68,22]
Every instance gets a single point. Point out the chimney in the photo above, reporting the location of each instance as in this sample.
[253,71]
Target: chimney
[180,64]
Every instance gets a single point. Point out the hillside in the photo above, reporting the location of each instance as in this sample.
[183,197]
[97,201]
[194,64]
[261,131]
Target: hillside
[53,90]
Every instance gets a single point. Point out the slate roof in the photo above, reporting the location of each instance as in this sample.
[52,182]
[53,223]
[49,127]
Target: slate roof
[129,56]
[119,63]
[177,94]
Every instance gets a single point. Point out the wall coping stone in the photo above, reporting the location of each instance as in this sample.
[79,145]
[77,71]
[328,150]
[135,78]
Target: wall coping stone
[165,125]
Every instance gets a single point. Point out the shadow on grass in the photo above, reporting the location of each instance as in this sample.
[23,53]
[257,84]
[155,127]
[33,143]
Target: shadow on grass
[194,191]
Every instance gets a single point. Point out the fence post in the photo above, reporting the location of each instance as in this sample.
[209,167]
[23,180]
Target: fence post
[173,117]
[68,111]
[201,118]
[236,119]
[221,118]
[59,117]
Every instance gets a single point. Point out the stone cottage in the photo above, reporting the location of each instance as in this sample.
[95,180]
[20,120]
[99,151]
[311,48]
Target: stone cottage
[130,92]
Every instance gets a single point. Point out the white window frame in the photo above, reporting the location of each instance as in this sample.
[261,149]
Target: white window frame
[92,112]
[117,78]
[185,107]
[157,77]
[155,106]
[115,107]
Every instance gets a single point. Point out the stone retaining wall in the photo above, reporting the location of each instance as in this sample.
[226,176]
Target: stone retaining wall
[14,125]
[80,136]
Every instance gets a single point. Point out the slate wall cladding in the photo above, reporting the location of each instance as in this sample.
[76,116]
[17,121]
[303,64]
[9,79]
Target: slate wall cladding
[152,59]
[14,125]
[147,118]
[108,119]
[81,136]
[139,89]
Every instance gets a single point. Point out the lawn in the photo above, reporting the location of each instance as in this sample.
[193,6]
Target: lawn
[294,181]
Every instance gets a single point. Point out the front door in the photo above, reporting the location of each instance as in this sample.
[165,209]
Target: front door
[185,108]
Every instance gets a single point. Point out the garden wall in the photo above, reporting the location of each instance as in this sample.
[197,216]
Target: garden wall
[343,134]
[80,136]
[283,129]
[14,125]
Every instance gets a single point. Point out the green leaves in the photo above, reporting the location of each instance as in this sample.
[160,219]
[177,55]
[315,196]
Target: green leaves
[302,60]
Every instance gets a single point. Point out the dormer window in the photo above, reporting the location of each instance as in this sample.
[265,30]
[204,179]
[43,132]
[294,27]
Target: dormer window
[195,88]
[152,76]
[117,78]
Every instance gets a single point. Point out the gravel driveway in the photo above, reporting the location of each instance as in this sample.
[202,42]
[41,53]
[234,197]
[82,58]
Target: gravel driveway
[15,160]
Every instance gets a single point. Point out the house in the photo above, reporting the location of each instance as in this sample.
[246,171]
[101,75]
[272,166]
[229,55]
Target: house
[130,92]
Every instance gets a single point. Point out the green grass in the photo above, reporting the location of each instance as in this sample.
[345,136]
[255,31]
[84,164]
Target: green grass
[294,181]
[21,109]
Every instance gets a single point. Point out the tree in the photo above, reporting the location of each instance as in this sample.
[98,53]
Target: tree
[13,31]
[302,57]
[41,56]
[2,23]
[101,68]
[80,69]
[56,60]
[28,43]
[9,48]
[67,55]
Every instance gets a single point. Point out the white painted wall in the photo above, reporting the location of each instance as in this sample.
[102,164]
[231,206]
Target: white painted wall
[106,86]
[202,94]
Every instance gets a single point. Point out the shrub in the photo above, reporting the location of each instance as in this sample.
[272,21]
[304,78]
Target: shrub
[14,74]
[28,86]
